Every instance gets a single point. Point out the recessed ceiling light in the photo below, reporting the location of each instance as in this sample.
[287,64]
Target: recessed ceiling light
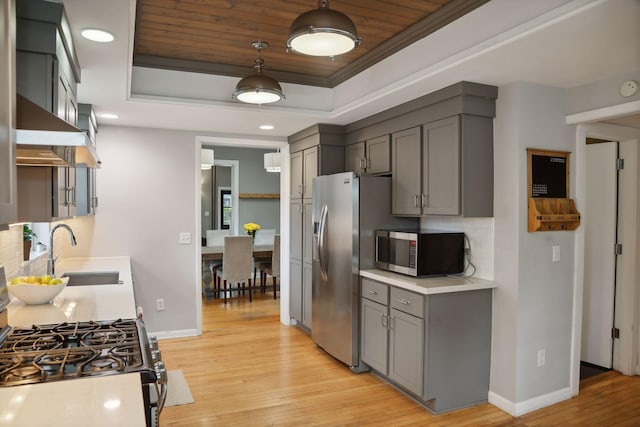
[267,127]
[97,35]
[109,116]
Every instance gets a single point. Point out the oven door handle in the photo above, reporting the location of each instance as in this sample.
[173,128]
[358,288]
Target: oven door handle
[164,387]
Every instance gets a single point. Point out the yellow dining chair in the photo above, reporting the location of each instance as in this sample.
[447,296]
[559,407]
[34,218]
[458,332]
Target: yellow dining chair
[237,263]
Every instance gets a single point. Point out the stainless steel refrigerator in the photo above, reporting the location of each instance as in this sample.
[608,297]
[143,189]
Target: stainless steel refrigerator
[346,212]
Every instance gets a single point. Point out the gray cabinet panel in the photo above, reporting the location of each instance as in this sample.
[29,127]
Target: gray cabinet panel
[296,175]
[307,235]
[43,193]
[406,169]
[407,301]
[307,281]
[309,171]
[375,291]
[379,155]
[295,237]
[295,289]
[374,340]
[441,167]
[406,350]
[354,158]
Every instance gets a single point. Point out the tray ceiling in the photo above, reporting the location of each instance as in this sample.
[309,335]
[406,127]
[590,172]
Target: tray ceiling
[214,36]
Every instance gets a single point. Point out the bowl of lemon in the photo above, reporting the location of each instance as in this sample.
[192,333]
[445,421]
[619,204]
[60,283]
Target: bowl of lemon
[36,289]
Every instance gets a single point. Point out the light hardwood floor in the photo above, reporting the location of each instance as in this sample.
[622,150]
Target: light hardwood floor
[249,370]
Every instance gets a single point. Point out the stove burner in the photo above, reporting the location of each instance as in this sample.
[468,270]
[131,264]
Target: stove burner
[71,350]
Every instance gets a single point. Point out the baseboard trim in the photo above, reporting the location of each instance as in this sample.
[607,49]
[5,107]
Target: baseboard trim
[521,408]
[182,333]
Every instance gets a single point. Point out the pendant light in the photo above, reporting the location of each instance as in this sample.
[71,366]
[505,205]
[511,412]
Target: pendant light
[206,159]
[258,88]
[272,162]
[323,32]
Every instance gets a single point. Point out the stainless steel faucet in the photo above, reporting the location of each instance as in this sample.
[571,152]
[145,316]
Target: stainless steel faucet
[51,262]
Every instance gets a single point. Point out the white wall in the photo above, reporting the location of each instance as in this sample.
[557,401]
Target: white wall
[146,190]
[533,304]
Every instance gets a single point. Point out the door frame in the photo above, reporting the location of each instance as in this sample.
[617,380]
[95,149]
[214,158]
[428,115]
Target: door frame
[625,360]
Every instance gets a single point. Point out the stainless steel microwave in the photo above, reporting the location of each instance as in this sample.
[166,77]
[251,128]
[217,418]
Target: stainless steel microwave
[420,254]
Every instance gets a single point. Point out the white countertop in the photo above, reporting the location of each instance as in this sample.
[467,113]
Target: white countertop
[107,401]
[110,401]
[82,303]
[429,285]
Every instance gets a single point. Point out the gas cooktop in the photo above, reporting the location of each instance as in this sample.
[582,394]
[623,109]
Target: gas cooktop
[45,353]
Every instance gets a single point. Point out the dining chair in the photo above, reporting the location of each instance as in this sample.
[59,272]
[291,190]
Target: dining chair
[272,268]
[216,238]
[237,263]
[264,236]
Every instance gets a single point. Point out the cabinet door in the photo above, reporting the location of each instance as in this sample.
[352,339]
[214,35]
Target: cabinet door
[307,231]
[309,170]
[295,236]
[295,289]
[296,175]
[441,163]
[406,169]
[8,188]
[379,155]
[374,339]
[354,158]
[406,351]
[307,301]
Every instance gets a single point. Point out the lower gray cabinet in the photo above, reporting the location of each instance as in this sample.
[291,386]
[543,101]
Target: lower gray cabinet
[295,289]
[307,281]
[437,348]
[406,350]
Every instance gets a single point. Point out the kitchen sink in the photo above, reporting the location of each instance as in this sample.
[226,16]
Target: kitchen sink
[86,278]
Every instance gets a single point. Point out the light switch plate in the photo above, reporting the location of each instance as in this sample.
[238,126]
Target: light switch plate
[185,238]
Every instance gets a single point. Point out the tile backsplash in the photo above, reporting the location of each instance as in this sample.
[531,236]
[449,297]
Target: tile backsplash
[480,234]
[11,255]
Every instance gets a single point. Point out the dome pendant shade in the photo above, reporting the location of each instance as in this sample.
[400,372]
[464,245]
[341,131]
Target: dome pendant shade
[323,32]
[258,88]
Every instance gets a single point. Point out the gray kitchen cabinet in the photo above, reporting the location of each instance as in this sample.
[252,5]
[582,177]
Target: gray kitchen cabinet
[406,171]
[318,150]
[46,194]
[437,347]
[372,156]
[301,238]
[48,71]
[444,168]
[8,187]
[86,186]
[355,158]
[391,339]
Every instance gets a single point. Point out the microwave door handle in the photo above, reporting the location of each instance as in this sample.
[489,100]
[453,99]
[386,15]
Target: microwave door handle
[321,243]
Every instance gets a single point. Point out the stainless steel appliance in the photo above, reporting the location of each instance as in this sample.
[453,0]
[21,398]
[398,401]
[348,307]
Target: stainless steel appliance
[346,212]
[420,254]
[64,351]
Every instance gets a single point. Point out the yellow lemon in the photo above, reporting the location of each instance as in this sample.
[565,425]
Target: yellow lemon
[55,281]
[33,279]
[46,278]
[18,279]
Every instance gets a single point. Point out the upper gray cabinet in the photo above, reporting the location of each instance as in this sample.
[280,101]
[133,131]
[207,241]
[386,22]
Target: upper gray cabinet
[48,71]
[442,168]
[8,189]
[441,151]
[372,156]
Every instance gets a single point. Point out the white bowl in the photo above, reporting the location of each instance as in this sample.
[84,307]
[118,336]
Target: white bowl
[37,294]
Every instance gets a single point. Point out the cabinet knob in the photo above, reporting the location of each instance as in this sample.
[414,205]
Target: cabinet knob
[372,292]
[404,301]
[415,201]
[423,199]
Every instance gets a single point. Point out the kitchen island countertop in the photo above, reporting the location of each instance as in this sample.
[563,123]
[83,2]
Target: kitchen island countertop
[429,285]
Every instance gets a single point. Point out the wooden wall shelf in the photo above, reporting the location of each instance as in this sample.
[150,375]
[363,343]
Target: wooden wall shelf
[259,195]
[553,214]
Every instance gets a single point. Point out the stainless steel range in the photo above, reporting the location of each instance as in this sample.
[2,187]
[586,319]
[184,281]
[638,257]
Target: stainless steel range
[63,351]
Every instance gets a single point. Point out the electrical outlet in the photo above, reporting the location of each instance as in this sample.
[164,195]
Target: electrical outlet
[556,253]
[541,357]
[160,304]
[185,238]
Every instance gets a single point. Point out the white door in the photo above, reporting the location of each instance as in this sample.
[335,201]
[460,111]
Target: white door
[600,260]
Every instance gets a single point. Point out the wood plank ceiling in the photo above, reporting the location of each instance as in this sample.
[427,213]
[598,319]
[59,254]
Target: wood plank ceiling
[214,36]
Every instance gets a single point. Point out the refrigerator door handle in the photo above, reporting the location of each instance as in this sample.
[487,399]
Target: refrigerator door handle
[321,243]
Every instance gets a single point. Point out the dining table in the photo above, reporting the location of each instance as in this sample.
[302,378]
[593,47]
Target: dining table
[211,254]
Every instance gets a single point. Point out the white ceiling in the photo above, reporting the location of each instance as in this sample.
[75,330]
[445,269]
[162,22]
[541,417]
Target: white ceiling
[561,43]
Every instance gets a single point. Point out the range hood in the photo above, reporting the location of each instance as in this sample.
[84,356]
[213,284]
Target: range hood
[43,139]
